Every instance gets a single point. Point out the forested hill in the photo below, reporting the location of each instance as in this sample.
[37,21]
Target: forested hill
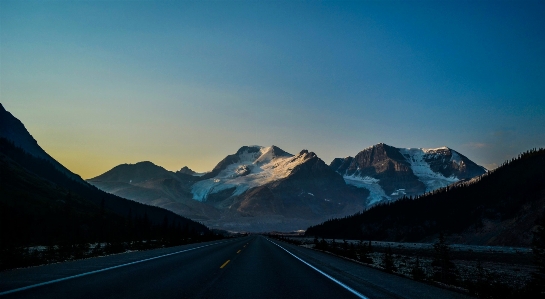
[38,203]
[497,208]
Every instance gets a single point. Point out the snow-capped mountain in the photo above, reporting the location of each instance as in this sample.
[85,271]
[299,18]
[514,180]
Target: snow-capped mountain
[13,130]
[257,189]
[266,187]
[389,172]
[250,167]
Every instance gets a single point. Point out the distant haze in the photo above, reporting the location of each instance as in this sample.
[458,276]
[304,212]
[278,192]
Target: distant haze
[101,83]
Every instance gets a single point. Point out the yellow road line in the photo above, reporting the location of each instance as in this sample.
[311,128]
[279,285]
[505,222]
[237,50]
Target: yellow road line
[238,251]
[225,264]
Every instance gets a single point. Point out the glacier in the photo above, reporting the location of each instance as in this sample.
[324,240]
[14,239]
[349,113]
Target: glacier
[252,170]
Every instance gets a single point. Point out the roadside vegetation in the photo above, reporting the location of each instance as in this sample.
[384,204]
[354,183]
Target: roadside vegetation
[479,274]
[138,234]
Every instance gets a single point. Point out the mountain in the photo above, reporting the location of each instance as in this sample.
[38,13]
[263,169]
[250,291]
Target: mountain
[256,189]
[136,173]
[267,188]
[35,190]
[249,167]
[148,183]
[391,173]
[13,130]
[187,170]
[497,208]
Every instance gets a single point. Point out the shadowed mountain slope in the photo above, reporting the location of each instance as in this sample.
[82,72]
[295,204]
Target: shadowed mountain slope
[35,188]
[13,130]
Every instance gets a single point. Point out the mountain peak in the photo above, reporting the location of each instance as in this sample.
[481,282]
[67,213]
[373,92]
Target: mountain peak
[134,173]
[249,149]
[390,172]
[186,170]
[442,148]
[145,163]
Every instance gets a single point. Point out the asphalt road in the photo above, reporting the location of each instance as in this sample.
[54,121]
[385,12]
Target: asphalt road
[249,267]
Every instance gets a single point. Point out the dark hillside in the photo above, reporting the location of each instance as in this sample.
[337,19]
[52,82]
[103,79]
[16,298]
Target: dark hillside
[497,208]
[30,186]
[34,211]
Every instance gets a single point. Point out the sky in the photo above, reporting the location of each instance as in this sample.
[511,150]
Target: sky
[183,83]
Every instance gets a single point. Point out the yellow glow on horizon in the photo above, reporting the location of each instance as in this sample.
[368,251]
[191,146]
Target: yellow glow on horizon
[90,164]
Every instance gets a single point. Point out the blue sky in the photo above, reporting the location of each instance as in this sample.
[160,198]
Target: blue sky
[100,83]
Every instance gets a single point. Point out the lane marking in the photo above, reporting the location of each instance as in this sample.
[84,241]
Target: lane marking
[101,270]
[225,264]
[323,273]
[238,251]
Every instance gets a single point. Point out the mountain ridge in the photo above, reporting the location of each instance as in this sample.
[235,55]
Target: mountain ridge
[267,182]
[390,173]
[263,187]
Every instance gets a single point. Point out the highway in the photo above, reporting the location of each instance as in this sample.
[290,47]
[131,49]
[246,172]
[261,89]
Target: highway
[248,267]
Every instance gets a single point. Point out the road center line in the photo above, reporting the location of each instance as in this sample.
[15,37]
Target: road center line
[102,270]
[225,264]
[323,273]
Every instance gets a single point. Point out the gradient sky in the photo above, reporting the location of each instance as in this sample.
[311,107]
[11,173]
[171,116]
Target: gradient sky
[100,83]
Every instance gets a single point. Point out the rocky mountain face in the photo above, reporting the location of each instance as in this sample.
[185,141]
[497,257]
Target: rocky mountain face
[390,173]
[275,187]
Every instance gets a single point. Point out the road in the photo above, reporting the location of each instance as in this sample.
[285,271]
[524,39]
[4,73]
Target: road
[249,267]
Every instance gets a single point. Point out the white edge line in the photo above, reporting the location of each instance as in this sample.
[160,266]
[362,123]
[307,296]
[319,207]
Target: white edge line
[100,270]
[326,275]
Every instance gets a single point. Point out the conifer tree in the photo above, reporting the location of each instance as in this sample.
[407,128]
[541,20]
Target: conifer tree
[537,285]
[388,261]
[417,272]
[444,269]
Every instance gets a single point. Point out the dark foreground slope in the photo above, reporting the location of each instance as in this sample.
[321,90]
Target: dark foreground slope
[40,206]
[498,208]
[45,171]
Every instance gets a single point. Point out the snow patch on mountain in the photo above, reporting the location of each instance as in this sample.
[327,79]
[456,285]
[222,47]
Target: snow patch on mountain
[253,169]
[420,168]
[455,157]
[376,193]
